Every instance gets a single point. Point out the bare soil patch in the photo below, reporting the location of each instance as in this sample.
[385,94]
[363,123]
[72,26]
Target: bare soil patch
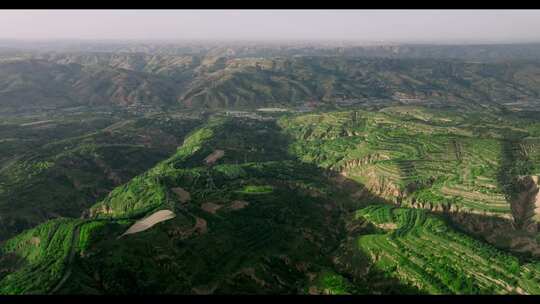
[183,195]
[210,207]
[35,241]
[200,225]
[236,205]
[214,156]
[150,221]
[387,226]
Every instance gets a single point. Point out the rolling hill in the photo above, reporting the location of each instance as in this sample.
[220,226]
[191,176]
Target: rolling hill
[330,202]
[215,81]
[260,169]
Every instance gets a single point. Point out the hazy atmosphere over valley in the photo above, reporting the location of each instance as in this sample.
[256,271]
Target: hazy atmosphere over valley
[306,152]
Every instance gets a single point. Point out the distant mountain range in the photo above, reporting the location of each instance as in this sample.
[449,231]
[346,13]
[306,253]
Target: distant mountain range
[224,77]
[152,169]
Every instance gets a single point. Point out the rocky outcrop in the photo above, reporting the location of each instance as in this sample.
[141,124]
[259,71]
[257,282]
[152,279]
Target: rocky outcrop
[98,210]
[385,188]
[435,207]
[366,160]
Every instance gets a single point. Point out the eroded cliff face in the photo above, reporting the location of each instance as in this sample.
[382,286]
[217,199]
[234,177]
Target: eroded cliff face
[386,189]
[525,204]
[94,212]
[360,162]
[516,231]
[446,208]
[376,185]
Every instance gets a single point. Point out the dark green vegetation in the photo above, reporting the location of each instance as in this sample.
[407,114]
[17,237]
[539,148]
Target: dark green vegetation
[371,170]
[59,166]
[285,210]
[261,243]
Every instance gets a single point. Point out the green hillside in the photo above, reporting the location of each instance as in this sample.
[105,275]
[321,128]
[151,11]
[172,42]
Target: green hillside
[59,166]
[305,204]
[459,265]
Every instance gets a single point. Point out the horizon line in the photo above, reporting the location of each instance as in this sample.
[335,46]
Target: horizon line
[274,40]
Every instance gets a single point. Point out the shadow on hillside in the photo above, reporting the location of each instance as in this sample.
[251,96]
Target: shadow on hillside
[86,167]
[347,259]
[9,263]
[497,231]
[243,142]
[216,257]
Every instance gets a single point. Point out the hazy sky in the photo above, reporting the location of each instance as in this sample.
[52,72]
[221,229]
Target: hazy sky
[362,25]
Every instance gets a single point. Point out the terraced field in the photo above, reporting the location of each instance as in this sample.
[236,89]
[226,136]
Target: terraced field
[416,156]
[269,169]
[459,264]
[279,215]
